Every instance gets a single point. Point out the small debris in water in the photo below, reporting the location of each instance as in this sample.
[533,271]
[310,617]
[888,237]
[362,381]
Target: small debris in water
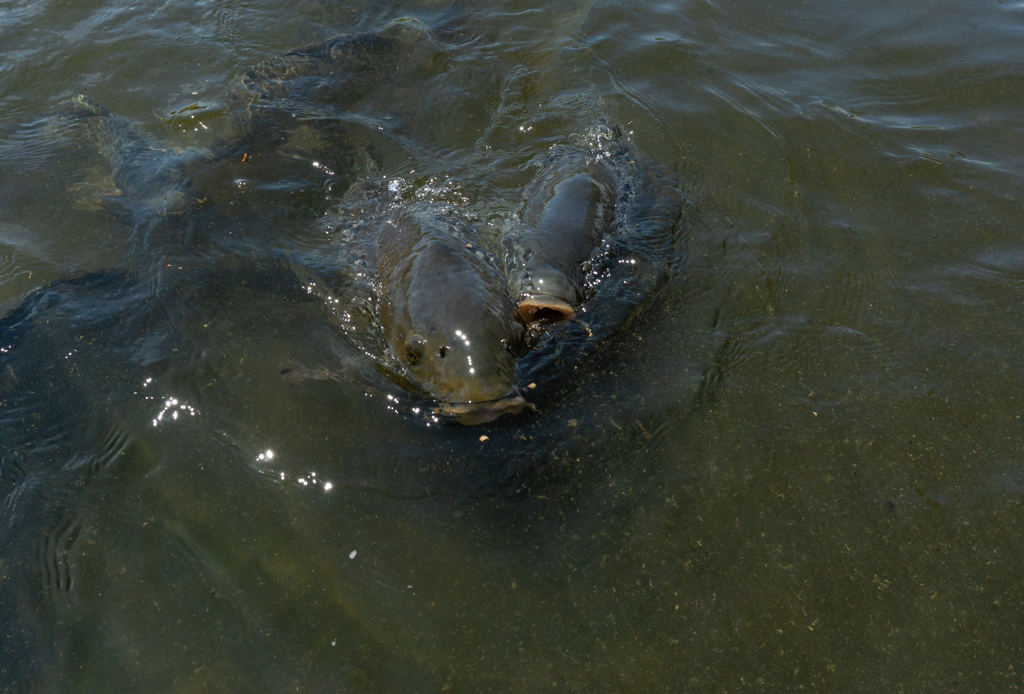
[532,386]
[245,158]
[573,423]
[484,438]
[352,555]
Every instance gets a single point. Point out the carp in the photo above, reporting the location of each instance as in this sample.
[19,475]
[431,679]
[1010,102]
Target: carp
[150,178]
[568,209]
[445,310]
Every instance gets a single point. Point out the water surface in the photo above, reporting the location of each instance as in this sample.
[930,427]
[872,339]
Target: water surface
[798,466]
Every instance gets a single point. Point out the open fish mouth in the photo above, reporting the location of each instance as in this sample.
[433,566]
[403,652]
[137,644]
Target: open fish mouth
[473,413]
[545,309]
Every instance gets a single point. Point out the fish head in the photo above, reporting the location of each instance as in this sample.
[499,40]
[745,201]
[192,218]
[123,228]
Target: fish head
[454,327]
[569,207]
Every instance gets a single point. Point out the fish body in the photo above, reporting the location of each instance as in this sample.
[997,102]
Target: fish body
[318,82]
[568,209]
[150,177]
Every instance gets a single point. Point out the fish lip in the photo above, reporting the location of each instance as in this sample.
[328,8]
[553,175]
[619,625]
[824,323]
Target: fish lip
[481,412]
[551,309]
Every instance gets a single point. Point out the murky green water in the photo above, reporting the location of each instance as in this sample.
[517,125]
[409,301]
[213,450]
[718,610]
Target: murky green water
[800,466]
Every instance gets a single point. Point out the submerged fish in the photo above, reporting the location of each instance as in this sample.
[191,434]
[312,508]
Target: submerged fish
[568,208]
[318,83]
[149,177]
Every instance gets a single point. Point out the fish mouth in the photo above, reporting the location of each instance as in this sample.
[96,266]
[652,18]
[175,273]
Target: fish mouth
[544,309]
[473,413]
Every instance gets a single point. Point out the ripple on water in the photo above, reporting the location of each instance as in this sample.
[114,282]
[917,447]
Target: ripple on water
[22,268]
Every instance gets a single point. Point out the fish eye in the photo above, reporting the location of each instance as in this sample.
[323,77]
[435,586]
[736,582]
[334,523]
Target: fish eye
[415,346]
[513,346]
[443,352]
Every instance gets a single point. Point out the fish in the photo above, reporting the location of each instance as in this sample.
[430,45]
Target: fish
[149,177]
[315,83]
[568,208]
[445,311]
